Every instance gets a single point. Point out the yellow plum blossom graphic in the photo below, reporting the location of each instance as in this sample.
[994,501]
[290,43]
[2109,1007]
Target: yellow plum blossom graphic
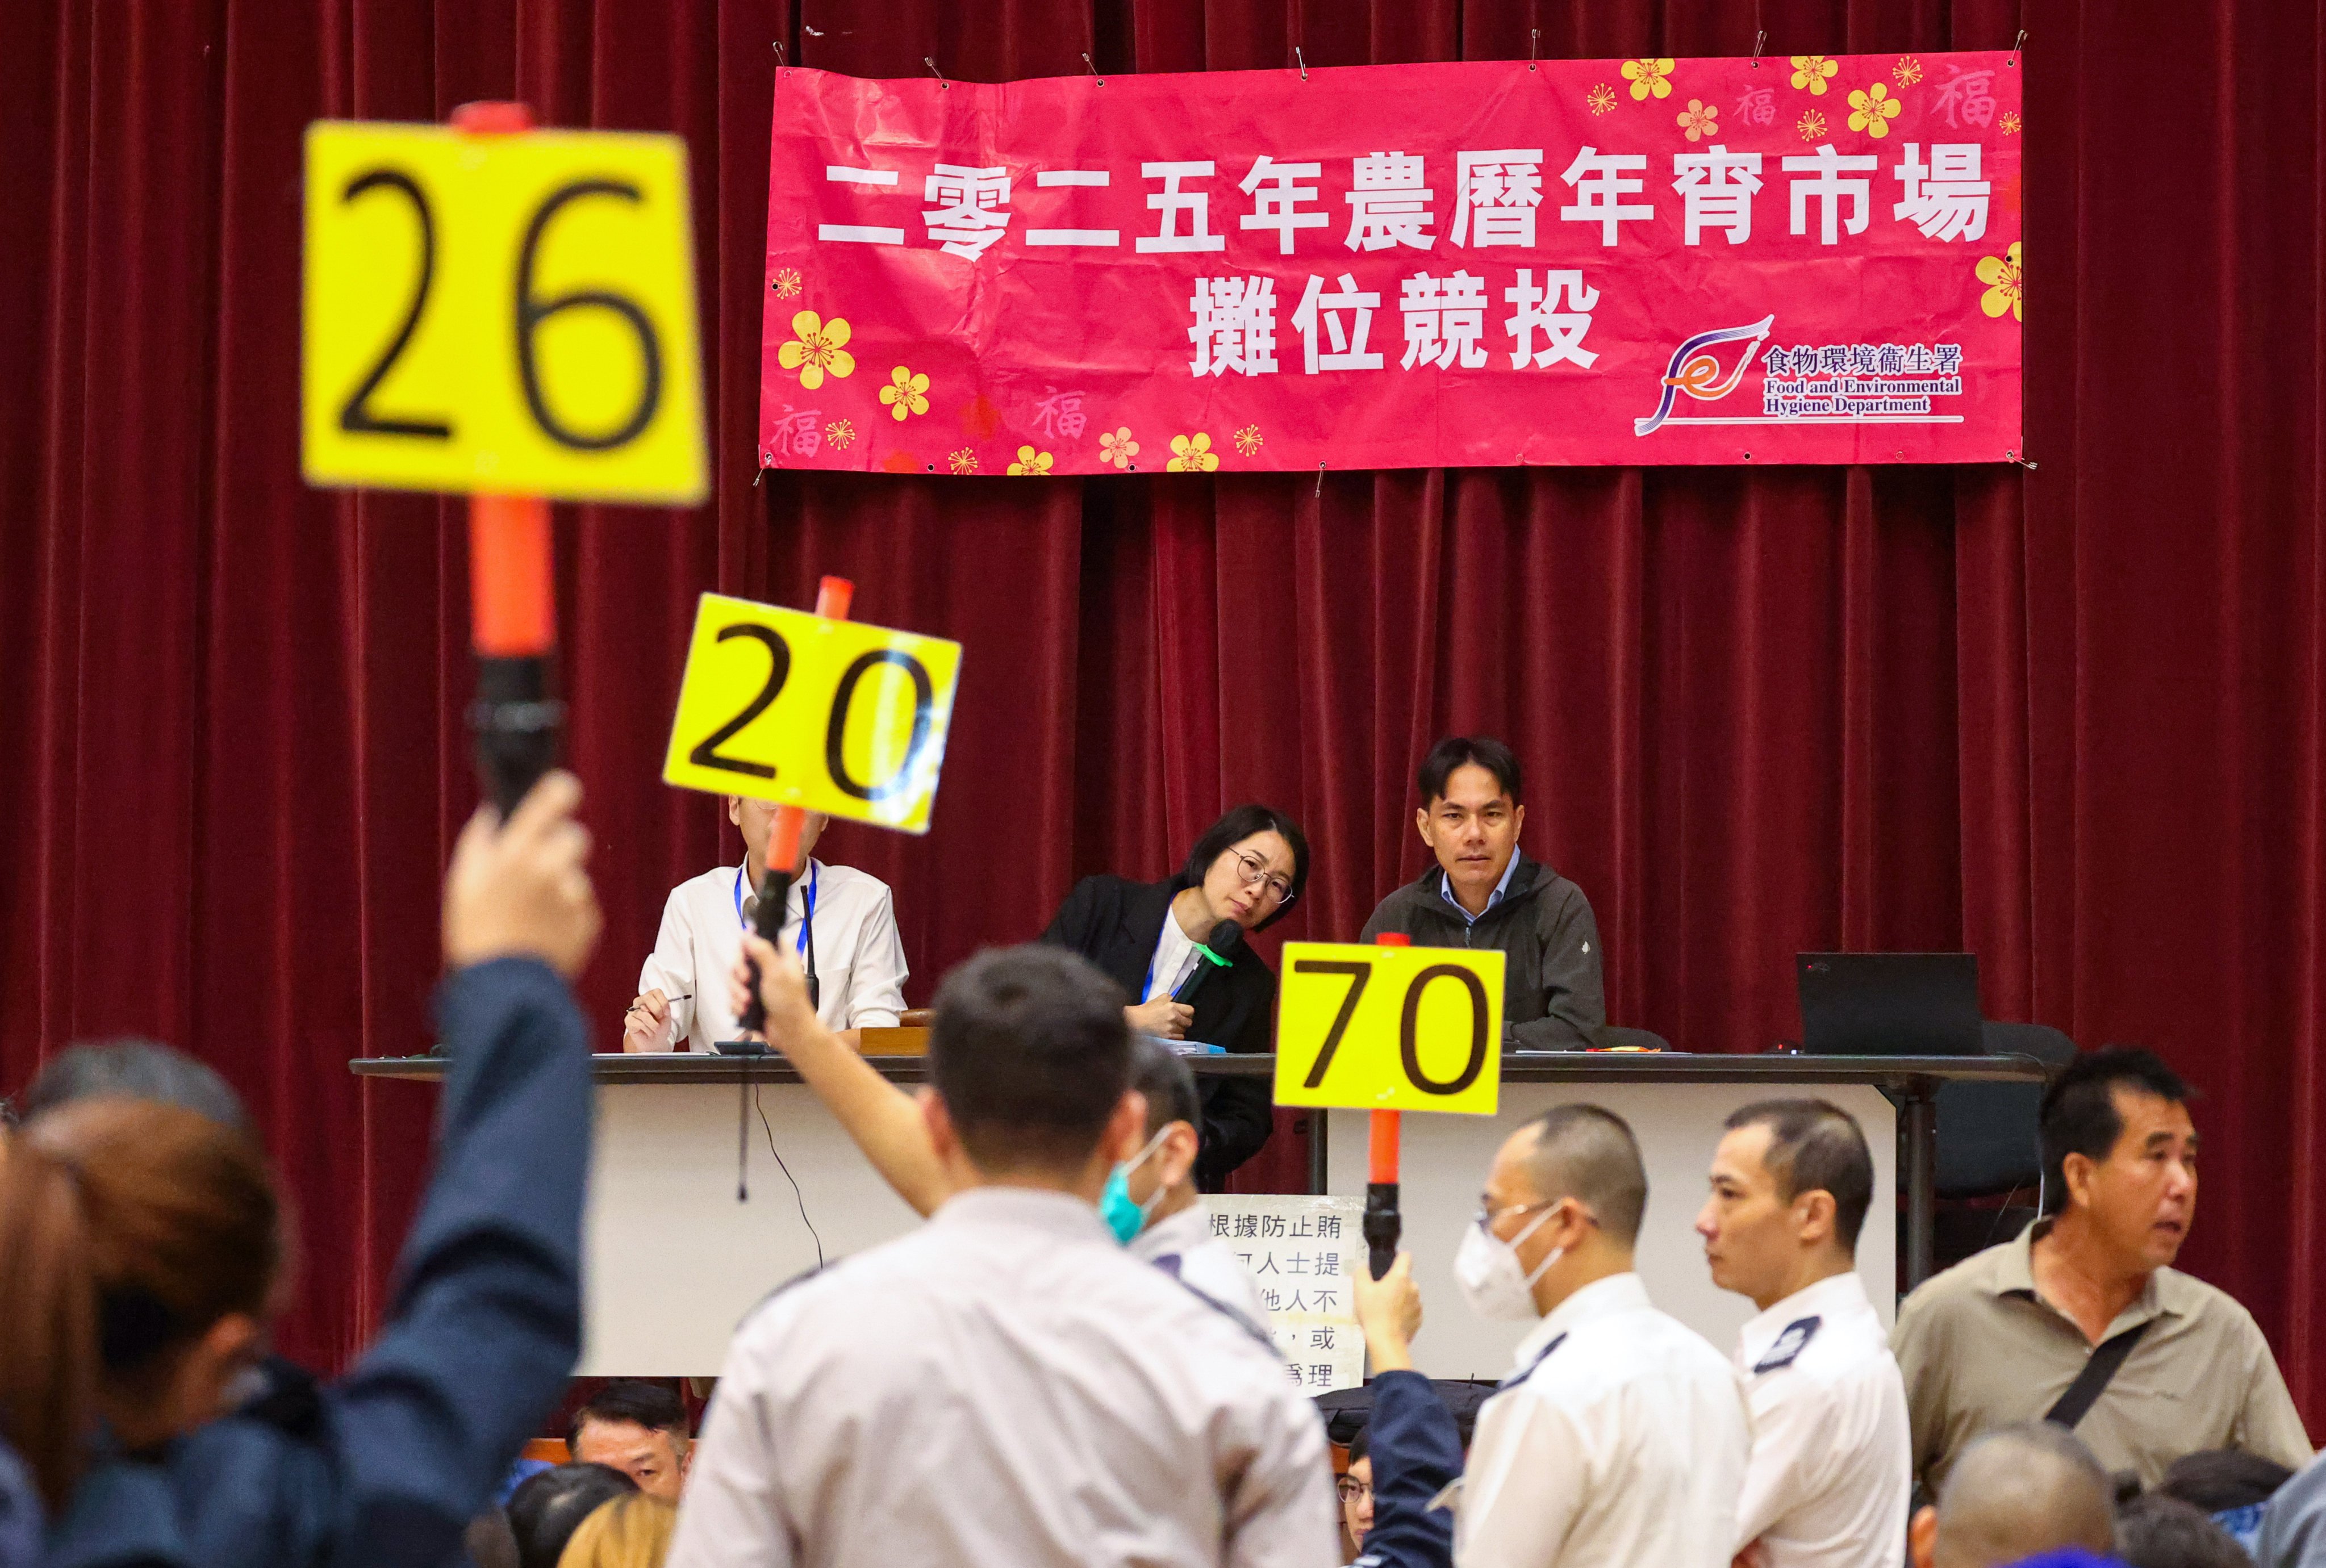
[1700,120]
[2000,273]
[1030,462]
[1247,441]
[1907,72]
[1192,454]
[817,347]
[2011,122]
[1872,109]
[1814,71]
[1116,447]
[841,433]
[787,283]
[964,461]
[1650,75]
[1600,99]
[1812,125]
[906,393]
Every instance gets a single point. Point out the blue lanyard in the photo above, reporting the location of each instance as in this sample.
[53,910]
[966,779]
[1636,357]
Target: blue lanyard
[799,942]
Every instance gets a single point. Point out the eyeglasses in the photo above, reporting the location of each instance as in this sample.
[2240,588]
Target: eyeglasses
[1350,1488]
[1254,871]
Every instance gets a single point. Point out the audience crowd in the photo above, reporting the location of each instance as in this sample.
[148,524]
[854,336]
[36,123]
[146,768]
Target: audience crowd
[1058,1368]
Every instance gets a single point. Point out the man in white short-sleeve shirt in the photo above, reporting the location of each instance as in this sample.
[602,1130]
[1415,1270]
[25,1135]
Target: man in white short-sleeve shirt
[1620,1438]
[839,920]
[1831,1473]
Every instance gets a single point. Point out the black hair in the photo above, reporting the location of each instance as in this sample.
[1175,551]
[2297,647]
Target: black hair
[1157,1073]
[1466,751]
[545,1510]
[135,1070]
[1588,1152]
[2156,1531]
[2079,1117]
[1031,1053]
[1233,829]
[1816,1146]
[2217,1480]
[636,1400]
[1362,1445]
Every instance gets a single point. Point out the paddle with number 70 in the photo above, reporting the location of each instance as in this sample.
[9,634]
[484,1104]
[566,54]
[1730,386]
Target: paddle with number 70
[1388,1029]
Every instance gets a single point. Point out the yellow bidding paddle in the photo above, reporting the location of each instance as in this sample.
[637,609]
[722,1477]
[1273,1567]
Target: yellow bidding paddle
[510,313]
[805,710]
[1389,1028]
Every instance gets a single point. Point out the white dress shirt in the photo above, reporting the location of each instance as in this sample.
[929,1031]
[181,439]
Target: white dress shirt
[1184,1246]
[859,961]
[1175,955]
[1832,1469]
[1004,1387]
[1620,1440]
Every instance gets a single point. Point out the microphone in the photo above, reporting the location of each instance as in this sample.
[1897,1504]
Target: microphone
[1216,951]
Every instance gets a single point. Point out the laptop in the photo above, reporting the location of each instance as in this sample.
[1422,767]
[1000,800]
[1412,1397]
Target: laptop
[1889,1004]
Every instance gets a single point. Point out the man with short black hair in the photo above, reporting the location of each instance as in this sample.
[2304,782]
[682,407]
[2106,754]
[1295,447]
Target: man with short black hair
[1485,893]
[1831,1478]
[1006,1384]
[1621,1437]
[638,1428]
[2082,1320]
[2019,1491]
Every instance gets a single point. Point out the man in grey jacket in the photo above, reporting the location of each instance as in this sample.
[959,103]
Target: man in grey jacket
[1485,894]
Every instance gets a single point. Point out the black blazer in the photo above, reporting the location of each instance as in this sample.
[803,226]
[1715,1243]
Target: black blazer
[1115,923]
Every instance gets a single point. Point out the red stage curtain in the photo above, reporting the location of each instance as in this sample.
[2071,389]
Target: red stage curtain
[2069,719]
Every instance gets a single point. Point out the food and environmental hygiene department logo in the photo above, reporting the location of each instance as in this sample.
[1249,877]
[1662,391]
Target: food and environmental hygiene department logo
[1822,384]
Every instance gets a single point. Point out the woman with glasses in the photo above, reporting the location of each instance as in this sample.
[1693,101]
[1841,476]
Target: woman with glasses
[1248,867]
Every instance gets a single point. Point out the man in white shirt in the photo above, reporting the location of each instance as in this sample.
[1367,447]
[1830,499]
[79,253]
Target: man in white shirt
[1006,1386]
[1832,1470]
[1620,1438]
[839,920]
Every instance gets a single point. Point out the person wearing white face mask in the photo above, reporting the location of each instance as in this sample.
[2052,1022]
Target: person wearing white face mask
[1620,1436]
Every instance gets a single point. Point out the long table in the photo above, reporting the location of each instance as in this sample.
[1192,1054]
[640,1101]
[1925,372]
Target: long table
[674,1260]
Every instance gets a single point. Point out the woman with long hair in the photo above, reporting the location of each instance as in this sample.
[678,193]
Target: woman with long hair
[141,1257]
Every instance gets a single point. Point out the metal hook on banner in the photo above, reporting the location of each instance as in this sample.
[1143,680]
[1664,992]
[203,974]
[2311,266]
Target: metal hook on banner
[1303,59]
[1320,481]
[1760,37]
[1534,46]
[2020,458]
[931,62]
[779,55]
[1093,67]
[2016,45]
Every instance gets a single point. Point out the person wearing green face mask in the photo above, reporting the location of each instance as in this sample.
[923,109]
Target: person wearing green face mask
[1149,1201]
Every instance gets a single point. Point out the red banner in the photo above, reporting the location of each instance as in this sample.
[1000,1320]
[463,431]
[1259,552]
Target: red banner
[1805,260]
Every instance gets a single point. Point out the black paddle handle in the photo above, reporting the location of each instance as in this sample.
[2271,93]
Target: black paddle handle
[775,891]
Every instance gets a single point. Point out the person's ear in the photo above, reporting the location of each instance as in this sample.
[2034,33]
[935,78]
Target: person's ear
[206,1372]
[1813,1217]
[1421,825]
[735,809]
[1126,1129]
[1923,1537]
[1518,820]
[1175,1158]
[2076,1171]
[945,1138]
